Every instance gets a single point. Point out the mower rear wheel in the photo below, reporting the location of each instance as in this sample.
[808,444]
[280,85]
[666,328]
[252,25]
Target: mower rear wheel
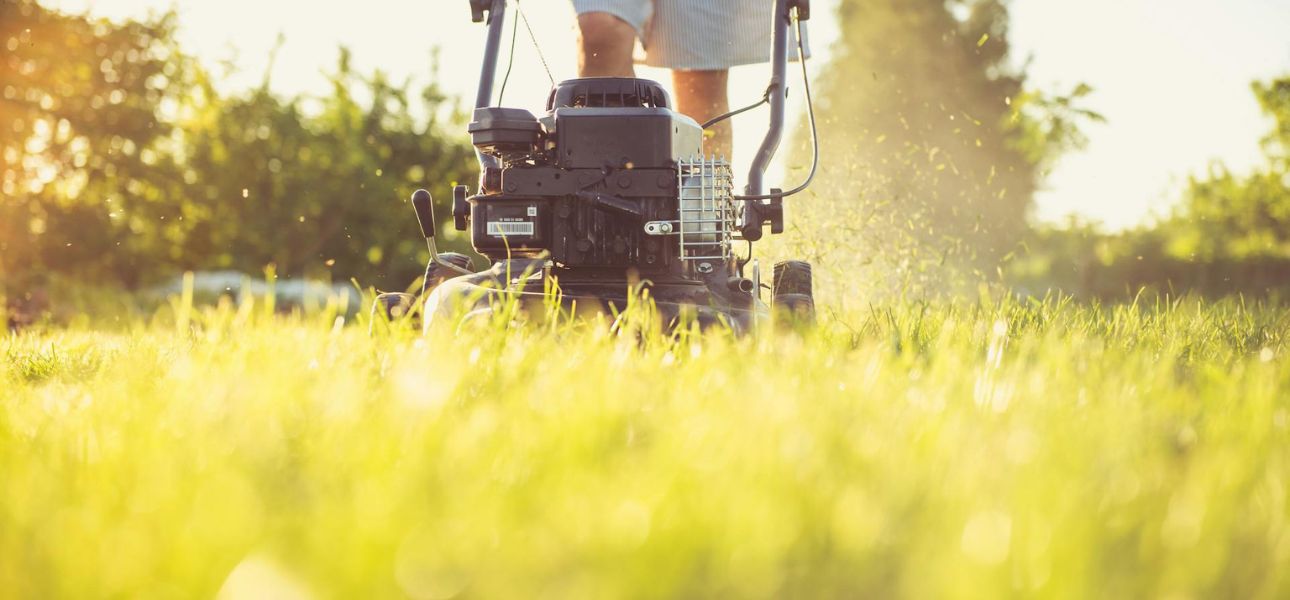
[793,277]
[437,274]
[793,300]
[393,309]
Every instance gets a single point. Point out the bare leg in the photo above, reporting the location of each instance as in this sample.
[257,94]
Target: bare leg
[605,45]
[702,95]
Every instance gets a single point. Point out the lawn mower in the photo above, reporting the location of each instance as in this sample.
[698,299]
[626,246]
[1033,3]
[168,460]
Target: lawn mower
[608,195]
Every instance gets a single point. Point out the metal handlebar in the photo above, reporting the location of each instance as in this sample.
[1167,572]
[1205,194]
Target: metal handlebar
[492,47]
[776,93]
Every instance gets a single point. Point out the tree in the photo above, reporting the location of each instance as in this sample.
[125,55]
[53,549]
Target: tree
[82,133]
[316,193]
[124,163]
[1228,216]
[929,137]
[1229,233]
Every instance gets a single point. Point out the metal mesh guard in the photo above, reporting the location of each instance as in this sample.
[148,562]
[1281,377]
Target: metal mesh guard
[707,209]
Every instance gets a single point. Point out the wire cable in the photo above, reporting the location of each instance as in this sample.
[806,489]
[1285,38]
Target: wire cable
[810,111]
[764,100]
[536,46]
[510,62]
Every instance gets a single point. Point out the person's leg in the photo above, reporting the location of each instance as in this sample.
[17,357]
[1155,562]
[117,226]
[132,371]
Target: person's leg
[605,44]
[702,96]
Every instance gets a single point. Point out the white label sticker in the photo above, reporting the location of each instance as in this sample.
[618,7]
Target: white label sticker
[532,211]
[507,228]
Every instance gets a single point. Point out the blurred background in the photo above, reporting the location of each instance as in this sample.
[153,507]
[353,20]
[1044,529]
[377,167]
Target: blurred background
[1096,147]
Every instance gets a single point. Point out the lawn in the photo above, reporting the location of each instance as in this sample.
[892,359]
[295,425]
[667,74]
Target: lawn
[922,450]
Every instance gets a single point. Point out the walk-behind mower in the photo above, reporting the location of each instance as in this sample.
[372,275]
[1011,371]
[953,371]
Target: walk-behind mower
[609,193]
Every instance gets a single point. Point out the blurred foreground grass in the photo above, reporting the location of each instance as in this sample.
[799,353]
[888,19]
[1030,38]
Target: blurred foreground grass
[925,451]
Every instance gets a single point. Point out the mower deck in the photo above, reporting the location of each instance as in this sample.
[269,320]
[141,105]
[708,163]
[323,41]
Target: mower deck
[523,281]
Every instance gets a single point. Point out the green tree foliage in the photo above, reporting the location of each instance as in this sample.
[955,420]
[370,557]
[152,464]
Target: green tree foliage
[316,192]
[123,163]
[928,133]
[1229,233]
[81,131]
[1226,216]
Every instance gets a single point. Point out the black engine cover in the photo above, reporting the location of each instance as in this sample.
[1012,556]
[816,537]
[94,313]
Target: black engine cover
[624,137]
[604,164]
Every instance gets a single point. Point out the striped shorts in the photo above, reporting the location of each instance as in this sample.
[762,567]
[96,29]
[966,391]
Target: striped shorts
[697,34]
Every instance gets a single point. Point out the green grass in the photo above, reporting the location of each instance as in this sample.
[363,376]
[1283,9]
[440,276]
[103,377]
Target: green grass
[1034,449]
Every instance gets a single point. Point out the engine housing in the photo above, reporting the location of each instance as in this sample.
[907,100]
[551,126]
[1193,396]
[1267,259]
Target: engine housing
[579,185]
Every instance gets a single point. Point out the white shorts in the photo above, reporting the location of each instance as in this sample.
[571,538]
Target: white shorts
[697,34]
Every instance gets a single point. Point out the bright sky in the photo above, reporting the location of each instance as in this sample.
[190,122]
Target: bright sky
[1171,76]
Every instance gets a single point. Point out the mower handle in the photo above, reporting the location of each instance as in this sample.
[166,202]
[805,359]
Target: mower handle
[492,47]
[775,92]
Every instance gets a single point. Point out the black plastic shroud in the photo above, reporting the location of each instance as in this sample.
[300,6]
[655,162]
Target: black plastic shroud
[579,185]
[608,92]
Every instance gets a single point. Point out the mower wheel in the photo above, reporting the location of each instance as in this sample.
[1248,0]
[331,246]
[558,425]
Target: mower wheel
[456,258]
[437,274]
[794,309]
[393,308]
[793,300]
[793,277]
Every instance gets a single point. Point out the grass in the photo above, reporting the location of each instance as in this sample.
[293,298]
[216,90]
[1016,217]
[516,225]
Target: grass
[954,450]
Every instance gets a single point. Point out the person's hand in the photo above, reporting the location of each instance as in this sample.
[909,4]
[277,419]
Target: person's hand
[803,9]
[477,8]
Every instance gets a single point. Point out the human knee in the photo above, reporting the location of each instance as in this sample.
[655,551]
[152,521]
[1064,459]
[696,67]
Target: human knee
[604,33]
[701,92]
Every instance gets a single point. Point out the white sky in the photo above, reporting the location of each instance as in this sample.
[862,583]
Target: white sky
[1172,76]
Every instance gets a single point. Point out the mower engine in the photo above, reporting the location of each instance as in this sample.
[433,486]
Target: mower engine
[609,185]
[608,191]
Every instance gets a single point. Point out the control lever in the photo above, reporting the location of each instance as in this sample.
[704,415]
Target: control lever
[758,214]
[423,204]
